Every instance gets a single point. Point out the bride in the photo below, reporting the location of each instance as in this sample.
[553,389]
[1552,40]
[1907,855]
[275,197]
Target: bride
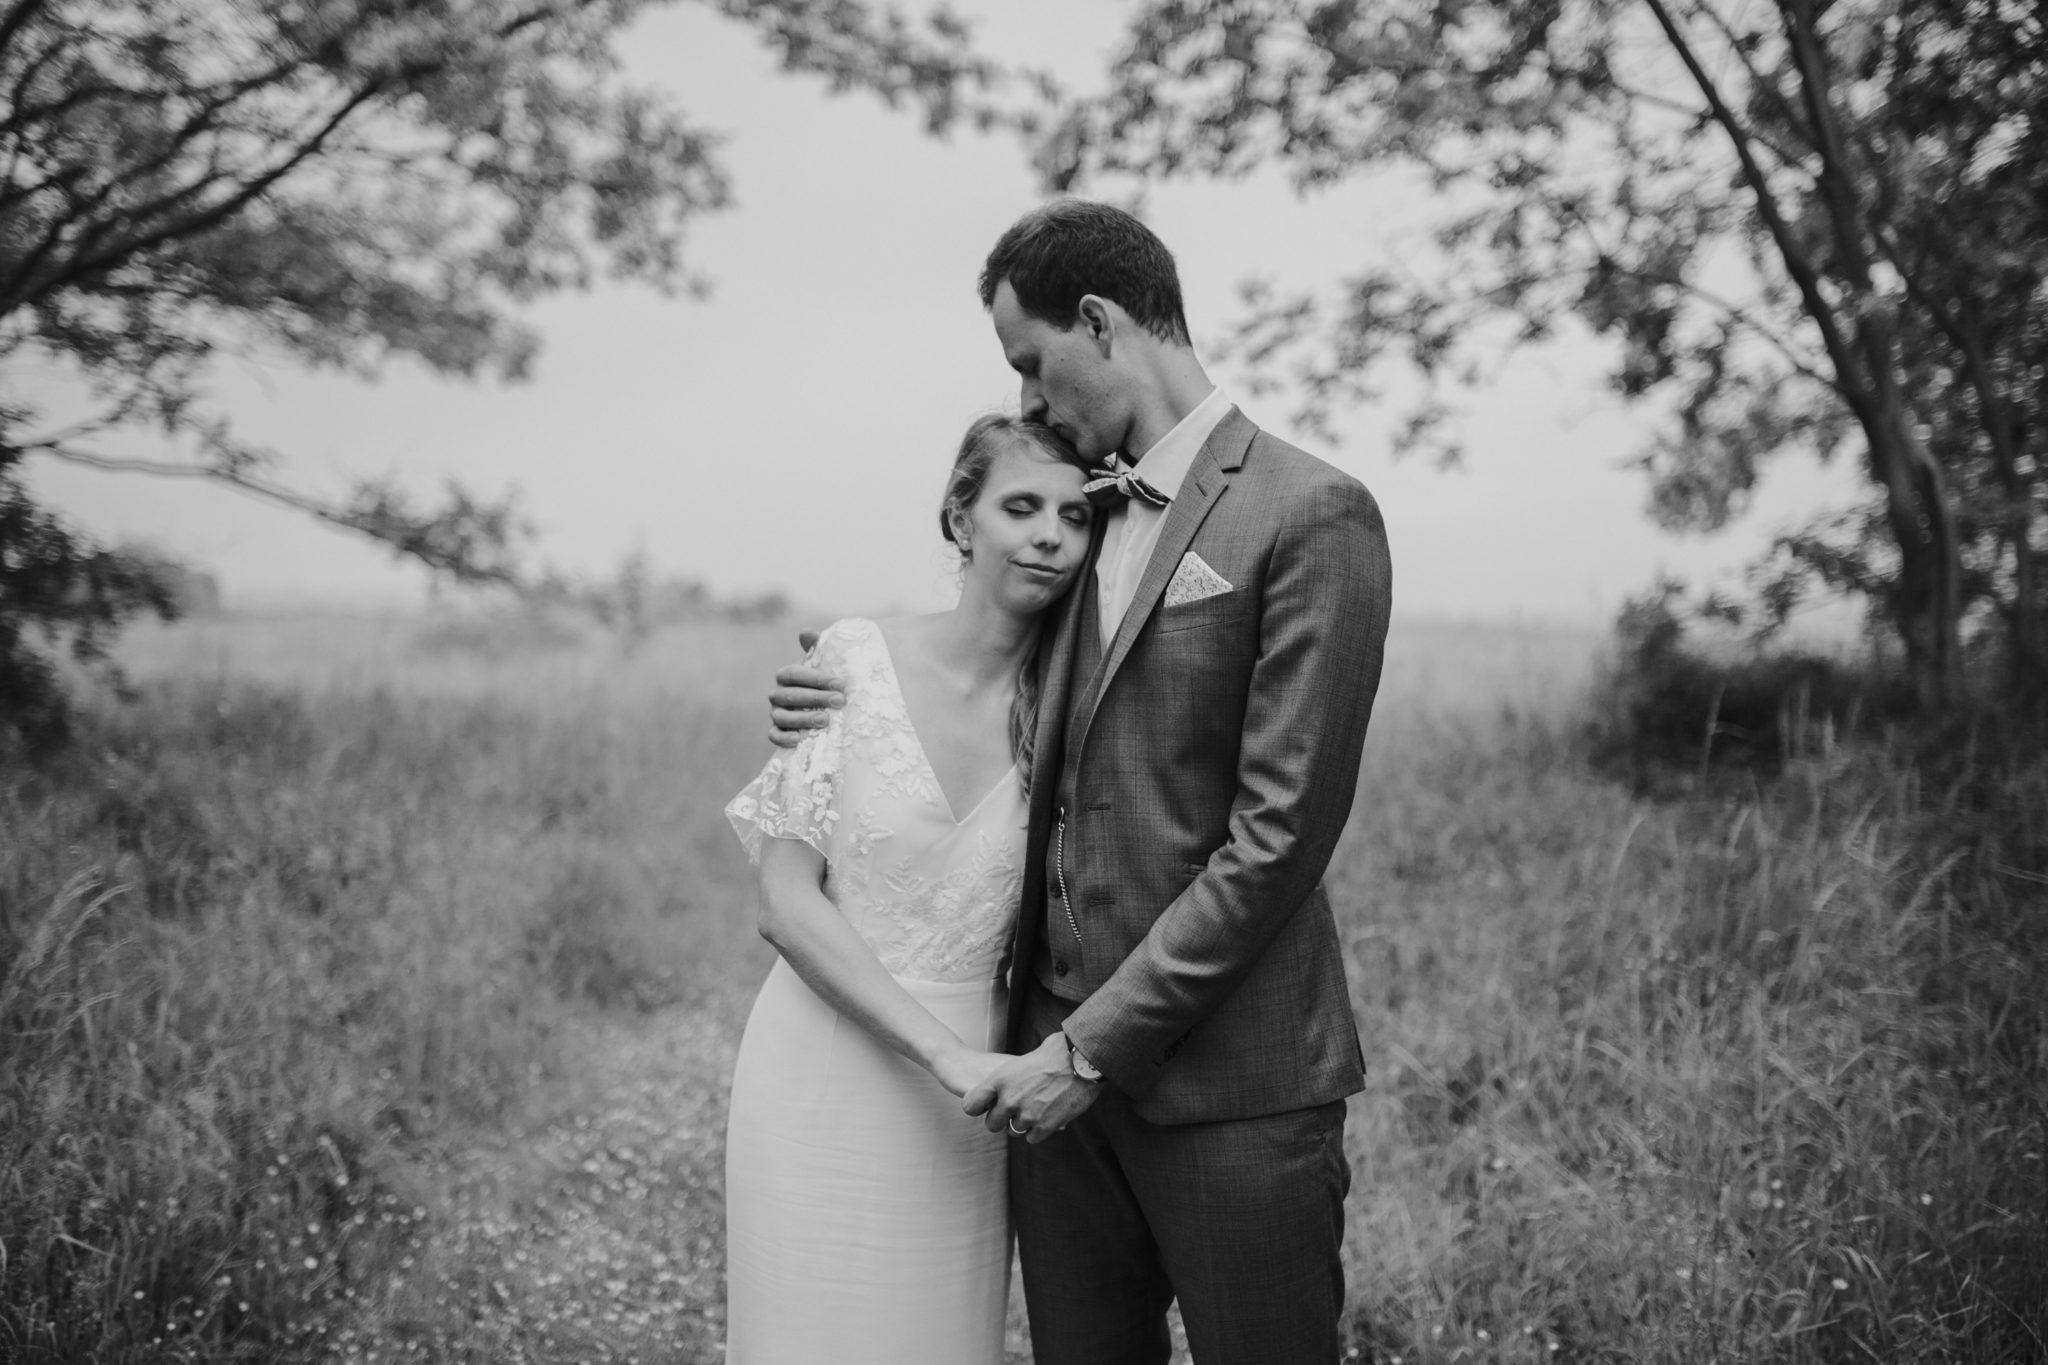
[865,1216]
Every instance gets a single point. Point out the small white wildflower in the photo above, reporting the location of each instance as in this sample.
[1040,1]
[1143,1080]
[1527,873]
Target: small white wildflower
[1839,1283]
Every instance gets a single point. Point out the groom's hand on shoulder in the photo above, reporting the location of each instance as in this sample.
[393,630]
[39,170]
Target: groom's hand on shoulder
[801,697]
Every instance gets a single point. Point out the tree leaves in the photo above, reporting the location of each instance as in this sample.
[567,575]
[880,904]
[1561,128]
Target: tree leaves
[1794,226]
[347,181]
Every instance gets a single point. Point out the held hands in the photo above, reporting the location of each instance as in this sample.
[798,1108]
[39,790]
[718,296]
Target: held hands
[963,1068]
[1036,1094]
[801,698]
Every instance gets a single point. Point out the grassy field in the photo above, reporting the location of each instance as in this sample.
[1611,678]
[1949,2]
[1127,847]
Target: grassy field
[367,986]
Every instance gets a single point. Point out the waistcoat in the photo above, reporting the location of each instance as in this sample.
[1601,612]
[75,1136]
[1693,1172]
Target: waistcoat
[1059,962]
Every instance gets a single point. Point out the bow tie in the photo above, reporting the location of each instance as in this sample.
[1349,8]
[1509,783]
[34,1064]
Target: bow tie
[1118,484]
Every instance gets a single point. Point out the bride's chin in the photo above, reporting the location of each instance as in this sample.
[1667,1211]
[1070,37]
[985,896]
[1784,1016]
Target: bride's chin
[1035,597]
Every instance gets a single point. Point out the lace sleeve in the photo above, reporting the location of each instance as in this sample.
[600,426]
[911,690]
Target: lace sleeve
[797,794]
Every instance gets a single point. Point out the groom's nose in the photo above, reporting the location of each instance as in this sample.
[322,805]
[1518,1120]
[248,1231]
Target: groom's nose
[1030,401]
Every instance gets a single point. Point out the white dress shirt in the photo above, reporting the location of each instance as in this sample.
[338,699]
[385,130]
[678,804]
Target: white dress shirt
[1132,530]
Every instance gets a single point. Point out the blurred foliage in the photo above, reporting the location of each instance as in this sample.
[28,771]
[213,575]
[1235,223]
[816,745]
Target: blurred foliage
[558,616]
[1671,712]
[344,182]
[632,603]
[1805,226]
[57,587]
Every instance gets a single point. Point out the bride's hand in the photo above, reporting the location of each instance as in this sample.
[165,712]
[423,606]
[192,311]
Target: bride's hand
[964,1068]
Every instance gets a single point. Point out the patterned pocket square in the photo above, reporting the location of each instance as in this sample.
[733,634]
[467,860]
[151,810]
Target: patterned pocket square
[1193,581]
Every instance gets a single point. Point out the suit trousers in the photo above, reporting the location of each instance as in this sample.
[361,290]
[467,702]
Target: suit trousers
[1241,1220]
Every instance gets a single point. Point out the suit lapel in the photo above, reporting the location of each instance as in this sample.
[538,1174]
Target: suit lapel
[1222,455]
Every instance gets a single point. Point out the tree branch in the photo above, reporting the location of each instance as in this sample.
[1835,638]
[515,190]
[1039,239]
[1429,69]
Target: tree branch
[29,72]
[89,260]
[1739,317]
[87,263]
[17,15]
[1797,264]
[1757,82]
[227,93]
[1836,186]
[415,541]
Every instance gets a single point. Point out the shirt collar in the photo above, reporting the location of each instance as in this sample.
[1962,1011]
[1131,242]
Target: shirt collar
[1165,466]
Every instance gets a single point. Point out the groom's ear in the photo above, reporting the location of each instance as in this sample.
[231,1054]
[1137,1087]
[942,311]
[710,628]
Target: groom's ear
[1097,320]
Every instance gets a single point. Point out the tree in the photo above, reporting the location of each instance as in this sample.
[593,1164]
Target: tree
[344,181]
[1806,224]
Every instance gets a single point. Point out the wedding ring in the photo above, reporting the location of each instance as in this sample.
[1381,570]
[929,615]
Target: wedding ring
[1018,1132]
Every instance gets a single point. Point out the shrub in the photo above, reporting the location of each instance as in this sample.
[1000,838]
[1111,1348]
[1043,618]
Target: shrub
[1666,710]
[59,594]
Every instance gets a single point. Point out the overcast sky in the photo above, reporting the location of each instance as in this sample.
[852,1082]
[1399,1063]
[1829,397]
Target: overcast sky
[793,431]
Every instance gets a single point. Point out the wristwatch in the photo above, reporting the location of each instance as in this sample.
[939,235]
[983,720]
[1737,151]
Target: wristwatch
[1083,1068]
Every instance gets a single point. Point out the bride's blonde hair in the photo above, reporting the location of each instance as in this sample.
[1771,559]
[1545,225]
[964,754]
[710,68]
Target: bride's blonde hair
[987,438]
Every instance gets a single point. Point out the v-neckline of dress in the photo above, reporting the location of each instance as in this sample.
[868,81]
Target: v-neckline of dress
[923,754]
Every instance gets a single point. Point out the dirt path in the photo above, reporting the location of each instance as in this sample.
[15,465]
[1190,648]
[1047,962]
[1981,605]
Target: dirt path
[594,1234]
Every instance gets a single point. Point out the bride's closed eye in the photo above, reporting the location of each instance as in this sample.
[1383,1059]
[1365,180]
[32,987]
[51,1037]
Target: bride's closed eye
[1074,514]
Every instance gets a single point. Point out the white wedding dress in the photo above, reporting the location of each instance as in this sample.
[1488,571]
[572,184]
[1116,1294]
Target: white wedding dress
[865,1213]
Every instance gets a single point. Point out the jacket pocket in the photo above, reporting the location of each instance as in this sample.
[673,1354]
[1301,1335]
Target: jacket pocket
[1209,611]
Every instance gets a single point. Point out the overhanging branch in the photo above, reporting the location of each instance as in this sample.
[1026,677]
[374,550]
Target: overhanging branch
[438,542]
[1797,264]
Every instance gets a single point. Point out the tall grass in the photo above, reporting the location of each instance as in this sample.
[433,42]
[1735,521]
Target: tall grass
[259,943]
[1751,1071]
[1752,1075]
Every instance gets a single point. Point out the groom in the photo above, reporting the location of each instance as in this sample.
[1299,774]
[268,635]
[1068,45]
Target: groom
[1178,999]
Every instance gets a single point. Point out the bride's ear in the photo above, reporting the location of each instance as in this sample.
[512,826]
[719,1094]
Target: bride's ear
[963,532]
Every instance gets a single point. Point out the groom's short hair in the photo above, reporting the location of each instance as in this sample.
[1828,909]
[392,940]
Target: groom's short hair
[1055,254]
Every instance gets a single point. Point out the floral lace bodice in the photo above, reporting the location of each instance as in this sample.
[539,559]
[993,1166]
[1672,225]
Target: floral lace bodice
[935,897]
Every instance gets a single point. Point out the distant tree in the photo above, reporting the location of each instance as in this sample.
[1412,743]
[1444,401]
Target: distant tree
[1808,225]
[341,181]
[192,591]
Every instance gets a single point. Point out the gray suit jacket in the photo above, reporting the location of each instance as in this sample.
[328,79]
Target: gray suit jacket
[1219,756]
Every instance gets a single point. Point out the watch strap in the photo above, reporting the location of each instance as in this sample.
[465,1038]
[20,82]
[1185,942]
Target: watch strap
[1083,1068]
